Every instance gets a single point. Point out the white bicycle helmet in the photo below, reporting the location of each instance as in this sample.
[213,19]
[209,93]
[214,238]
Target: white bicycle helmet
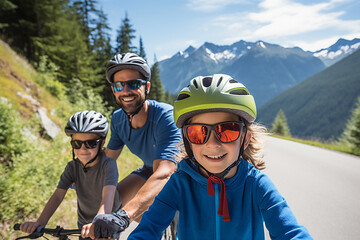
[87,122]
[127,61]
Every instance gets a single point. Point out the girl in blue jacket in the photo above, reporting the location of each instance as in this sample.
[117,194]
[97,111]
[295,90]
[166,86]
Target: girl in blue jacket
[218,189]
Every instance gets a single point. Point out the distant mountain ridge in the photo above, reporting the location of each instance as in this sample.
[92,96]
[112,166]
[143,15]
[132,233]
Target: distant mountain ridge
[320,106]
[337,51]
[266,69]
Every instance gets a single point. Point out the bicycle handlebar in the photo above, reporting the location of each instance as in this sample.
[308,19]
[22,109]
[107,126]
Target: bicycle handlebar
[56,232]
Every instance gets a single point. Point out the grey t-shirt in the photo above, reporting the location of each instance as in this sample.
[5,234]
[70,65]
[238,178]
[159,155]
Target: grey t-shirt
[89,185]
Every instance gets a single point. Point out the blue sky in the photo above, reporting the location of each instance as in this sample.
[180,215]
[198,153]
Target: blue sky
[169,26]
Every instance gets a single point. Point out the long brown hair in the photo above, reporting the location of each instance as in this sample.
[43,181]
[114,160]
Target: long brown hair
[254,153]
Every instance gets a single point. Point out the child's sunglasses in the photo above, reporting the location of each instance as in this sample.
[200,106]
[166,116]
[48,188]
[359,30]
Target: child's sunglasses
[89,144]
[132,84]
[225,132]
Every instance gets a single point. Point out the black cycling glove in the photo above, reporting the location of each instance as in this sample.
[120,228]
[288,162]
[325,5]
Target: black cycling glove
[111,225]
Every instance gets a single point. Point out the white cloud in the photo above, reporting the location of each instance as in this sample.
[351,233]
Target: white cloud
[276,19]
[286,18]
[211,5]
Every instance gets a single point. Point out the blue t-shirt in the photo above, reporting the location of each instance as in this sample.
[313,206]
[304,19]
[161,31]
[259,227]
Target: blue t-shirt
[157,139]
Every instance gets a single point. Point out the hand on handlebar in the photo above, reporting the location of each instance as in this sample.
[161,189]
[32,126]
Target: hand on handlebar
[29,227]
[110,225]
[85,231]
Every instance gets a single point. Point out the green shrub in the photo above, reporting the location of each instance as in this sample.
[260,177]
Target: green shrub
[32,170]
[12,142]
[351,135]
[86,99]
[280,125]
[48,78]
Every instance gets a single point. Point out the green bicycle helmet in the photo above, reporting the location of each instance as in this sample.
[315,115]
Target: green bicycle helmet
[216,93]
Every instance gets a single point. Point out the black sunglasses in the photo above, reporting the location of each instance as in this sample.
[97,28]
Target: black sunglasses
[89,144]
[132,84]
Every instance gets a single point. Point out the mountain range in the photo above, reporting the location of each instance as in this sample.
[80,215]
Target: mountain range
[265,69]
[320,106]
[337,51]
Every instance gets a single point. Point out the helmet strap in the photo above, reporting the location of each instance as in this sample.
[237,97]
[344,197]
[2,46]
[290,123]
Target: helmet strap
[92,160]
[131,115]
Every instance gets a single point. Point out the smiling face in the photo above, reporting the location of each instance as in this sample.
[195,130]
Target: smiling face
[214,155]
[84,154]
[129,99]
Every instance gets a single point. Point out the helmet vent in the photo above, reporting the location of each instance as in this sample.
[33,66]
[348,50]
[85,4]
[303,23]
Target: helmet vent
[239,92]
[207,81]
[219,81]
[139,62]
[233,81]
[195,83]
[182,96]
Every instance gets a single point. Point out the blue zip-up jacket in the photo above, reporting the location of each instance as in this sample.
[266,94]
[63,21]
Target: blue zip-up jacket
[252,199]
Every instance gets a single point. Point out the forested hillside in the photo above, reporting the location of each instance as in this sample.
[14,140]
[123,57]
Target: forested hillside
[32,152]
[70,38]
[320,106]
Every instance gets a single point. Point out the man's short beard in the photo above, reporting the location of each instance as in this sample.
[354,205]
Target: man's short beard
[133,108]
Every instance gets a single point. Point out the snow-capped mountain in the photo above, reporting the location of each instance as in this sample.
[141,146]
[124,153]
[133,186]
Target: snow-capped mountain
[337,51]
[186,53]
[266,69]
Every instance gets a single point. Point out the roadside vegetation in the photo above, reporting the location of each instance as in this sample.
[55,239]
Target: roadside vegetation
[336,146]
[349,141]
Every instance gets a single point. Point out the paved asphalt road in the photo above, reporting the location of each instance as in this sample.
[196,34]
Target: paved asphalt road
[321,186]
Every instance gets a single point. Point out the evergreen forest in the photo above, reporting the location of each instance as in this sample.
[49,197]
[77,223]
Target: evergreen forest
[71,40]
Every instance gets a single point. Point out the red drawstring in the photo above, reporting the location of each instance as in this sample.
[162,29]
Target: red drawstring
[223,206]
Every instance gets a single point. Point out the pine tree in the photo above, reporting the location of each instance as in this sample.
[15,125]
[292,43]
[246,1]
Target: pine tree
[169,98]
[100,39]
[280,125]
[61,38]
[103,53]
[86,10]
[5,7]
[141,52]
[156,90]
[351,133]
[19,25]
[64,32]
[124,37]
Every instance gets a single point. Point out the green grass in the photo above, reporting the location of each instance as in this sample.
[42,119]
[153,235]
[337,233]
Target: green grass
[336,146]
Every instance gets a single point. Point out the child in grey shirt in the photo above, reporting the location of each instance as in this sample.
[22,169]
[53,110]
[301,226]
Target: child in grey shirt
[93,175]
